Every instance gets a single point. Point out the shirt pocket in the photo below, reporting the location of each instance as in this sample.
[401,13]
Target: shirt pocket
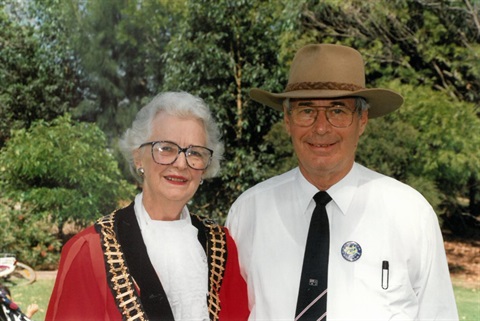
[388,292]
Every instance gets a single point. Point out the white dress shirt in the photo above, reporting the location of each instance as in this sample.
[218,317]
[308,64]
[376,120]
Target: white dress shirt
[389,220]
[179,260]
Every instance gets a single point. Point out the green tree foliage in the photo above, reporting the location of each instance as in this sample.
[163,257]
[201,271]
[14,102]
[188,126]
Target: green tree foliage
[119,45]
[435,43]
[433,138]
[223,49]
[30,237]
[33,83]
[62,171]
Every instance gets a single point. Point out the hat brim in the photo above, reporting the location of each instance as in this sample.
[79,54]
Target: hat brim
[381,101]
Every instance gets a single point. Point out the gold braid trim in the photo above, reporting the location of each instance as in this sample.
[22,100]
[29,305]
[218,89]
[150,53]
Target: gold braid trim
[330,85]
[216,250]
[120,280]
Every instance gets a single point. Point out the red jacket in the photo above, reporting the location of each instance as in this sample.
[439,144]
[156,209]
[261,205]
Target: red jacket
[81,290]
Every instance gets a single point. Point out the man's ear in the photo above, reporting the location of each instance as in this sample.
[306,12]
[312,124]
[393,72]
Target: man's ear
[363,122]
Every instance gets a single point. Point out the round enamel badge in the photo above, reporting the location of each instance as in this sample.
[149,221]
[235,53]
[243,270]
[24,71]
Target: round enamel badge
[351,251]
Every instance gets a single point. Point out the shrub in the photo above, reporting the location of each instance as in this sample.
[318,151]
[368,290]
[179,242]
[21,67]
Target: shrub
[30,237]
[62,171]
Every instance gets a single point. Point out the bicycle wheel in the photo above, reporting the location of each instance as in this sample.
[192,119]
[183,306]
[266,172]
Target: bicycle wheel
[22,275]
[7,264]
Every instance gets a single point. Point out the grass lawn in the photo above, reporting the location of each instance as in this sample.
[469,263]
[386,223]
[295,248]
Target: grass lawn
[37,292]
[468,299]
[468,303]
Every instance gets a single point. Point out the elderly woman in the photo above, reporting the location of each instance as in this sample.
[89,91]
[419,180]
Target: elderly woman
[153,260]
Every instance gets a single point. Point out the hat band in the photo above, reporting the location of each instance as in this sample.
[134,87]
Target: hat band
[321,85]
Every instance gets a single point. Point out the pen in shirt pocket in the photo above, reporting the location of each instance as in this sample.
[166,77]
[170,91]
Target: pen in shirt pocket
[385,274]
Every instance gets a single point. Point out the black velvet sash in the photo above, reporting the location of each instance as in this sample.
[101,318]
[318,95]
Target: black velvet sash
[136,264]
[152,294]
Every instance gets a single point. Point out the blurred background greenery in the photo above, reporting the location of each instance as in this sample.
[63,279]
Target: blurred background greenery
[73,73]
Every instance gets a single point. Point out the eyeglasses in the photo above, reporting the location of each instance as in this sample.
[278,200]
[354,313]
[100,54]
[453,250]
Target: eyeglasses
[166,153]
[337,115]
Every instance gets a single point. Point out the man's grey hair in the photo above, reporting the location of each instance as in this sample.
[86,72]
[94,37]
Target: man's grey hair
[361,104]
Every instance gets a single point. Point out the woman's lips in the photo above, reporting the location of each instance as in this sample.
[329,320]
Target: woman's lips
[176,179]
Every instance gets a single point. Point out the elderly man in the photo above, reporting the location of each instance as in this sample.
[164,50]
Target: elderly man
[332,239]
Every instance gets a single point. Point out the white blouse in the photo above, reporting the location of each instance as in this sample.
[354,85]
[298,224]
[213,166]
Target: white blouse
[179,260]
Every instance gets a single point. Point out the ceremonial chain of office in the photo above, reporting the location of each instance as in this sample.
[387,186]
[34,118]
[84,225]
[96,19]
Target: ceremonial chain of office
[121,282]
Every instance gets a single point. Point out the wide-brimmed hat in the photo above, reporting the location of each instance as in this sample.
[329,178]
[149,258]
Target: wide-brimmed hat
[330,71]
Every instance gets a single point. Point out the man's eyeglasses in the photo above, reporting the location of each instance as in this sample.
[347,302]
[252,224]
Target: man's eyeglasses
[166,153]
[337,115]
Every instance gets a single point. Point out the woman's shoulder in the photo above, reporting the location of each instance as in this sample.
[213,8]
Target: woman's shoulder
[84,235]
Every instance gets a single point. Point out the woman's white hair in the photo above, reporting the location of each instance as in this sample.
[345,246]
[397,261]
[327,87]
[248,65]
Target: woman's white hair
[179,104]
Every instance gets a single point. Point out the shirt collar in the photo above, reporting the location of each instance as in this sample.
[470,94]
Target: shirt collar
[305,189]
[341,193]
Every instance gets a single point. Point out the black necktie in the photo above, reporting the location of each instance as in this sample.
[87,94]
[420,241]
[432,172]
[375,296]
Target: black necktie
[312,296]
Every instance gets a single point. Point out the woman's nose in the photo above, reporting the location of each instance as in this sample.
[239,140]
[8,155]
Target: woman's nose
[181,161]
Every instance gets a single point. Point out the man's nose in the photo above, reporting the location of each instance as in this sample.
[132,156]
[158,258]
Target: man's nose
[321,123]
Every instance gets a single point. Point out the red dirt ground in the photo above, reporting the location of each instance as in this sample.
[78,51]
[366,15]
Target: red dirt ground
[464,261]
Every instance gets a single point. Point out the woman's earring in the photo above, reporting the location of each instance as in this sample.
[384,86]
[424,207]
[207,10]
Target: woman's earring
[140,171]
[201,181]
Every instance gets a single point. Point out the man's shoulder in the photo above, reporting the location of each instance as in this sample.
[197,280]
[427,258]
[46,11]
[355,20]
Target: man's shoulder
[387,185]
